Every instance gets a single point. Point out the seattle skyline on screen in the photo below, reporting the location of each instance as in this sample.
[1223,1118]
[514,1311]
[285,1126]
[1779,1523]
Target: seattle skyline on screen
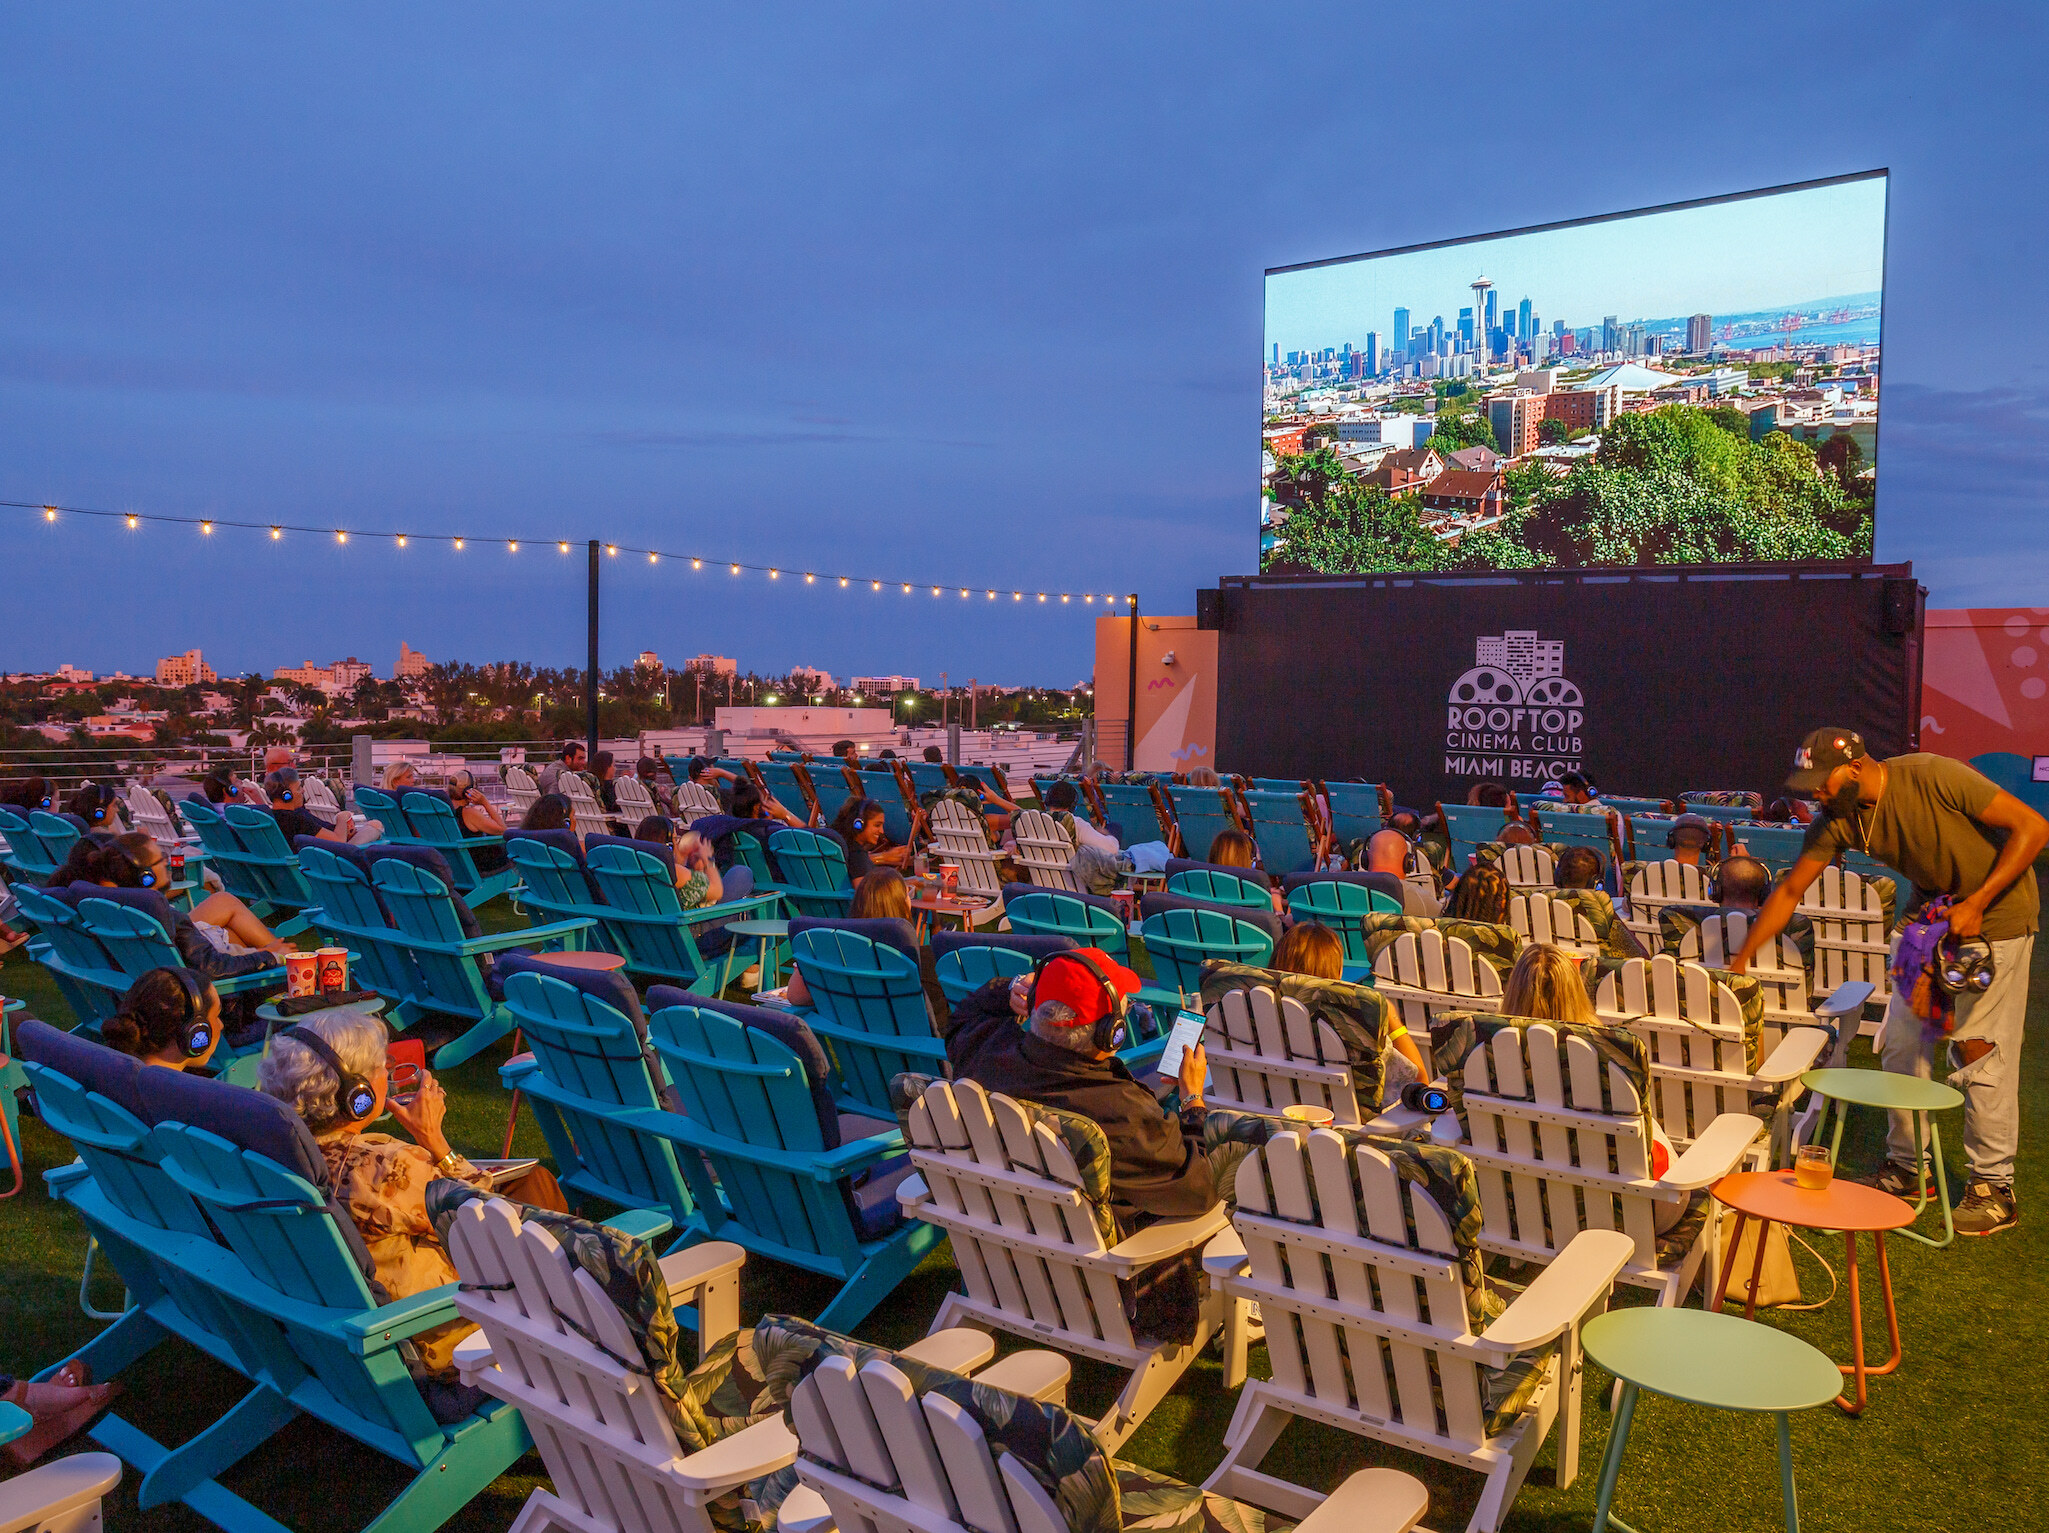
[1695,384]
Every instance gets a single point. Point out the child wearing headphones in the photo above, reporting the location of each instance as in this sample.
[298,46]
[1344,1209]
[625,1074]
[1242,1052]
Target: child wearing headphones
[170,1018]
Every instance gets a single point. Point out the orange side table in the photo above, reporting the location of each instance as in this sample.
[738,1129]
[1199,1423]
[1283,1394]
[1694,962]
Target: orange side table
[1773,1197]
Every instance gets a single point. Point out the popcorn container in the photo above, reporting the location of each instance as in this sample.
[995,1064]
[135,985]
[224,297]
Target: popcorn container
[333,970]
[302,973]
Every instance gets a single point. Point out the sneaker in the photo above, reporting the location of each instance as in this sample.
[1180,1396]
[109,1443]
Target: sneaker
[1898,1180]
[751,980]
[1986,1210]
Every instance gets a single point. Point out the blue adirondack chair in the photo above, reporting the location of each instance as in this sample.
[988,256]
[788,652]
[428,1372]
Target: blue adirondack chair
[749,854]
[26,861]
[554,878]
[1180,936]
[1287,785]
[1355,809]
[1088,919]
[1776,846]
[434,821]
[1220,886]
[814,870]
[376,804]
[928,776]
[351,914]
[430,928]
[1138,809]
[867,1003]
[1283,827]
[225,853]
[966,961]
[1468,827]
[656,934]
[775,1169]
[1647,836]
[829,787]
[91,983]
[1199,813]
[1557,825]
[275,866]
[57,833]
[1342,902]
[134,926]
[883,786]
[786,783]
[1726,814]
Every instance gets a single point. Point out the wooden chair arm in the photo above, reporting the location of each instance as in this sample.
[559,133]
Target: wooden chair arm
[911,1192]
[688,1270]
[641,1223]
[1793,1058]
[1579,1280]
[804,1511]
[747,1455]
[1170,1237]
[1714,1154]
[957,1349]
[1370,1501]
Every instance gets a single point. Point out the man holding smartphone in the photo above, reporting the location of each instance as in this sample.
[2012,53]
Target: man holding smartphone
[1051,1053]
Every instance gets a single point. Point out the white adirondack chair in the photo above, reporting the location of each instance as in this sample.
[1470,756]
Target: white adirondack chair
[1778,967]
[878,1459]
[554,1345]
[694,801]
[1044,850]
[1542,1141]
[1267,1054]
[1528,867]
[958,838]
[1850,940]
[1344,1307]
[520,792]
[586,815]
[1537,917]
[635,802]
[59,1497]
[319,796]
[1426,972]
[1656,885]
[1692,1025]
[1026,1239]
[146,813]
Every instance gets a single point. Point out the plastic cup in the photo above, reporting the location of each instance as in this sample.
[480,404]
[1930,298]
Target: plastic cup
[403,1083]
[1811,1168]
[302,973]
[334,970]
[1308,1117]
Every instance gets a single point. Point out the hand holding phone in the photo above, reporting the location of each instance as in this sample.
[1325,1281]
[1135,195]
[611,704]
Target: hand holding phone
[1185,1034]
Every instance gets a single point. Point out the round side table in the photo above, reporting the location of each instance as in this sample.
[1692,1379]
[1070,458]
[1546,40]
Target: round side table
[1774,1197]
[1897,1093]
[1705,1359]
[601,963]
[770,934]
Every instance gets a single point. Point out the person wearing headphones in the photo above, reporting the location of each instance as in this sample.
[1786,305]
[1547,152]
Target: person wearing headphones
[1051,1037]
[288,805]
[1692,840]
[99,806]
[133,860]
[479,817]
[1957,834]
[331,1069]
[168,1017]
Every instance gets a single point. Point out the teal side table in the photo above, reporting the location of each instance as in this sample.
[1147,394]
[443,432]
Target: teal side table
[1897,1093]
[1717,1361]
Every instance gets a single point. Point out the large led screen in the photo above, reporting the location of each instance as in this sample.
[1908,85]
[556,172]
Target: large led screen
[1693,384]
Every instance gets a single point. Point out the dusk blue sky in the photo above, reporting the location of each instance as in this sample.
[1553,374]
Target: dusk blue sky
[965,293]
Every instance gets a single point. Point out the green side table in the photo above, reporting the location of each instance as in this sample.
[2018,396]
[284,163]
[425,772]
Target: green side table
[1897,1093]
[771,935]
[1718,1361]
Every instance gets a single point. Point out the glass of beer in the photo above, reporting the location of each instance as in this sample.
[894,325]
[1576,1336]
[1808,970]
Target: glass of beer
[1811,1167]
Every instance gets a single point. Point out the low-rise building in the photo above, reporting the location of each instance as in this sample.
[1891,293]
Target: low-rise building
[711,665]
[1461,492]
[883,686]
[1405,472]
[410,662]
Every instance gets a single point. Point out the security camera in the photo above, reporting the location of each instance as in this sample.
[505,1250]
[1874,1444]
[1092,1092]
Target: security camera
[1167,658]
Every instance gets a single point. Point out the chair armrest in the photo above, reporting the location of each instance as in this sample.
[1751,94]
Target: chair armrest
[1225,1256]
[1714,1154]
[473,1356]
[400,1318]
[498,941]
[1794,1057]
[1370,1501]
[912,1191]
[1577,1281]
[1170,1237]
[747,1455]
[60,1177]
[517,1069]
[641,1223]
[1846,999]
[804,1511]
[689,1269]
[1034,1373]
[958,1349]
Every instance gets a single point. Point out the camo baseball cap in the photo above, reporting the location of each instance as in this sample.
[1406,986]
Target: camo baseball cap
[1821,753]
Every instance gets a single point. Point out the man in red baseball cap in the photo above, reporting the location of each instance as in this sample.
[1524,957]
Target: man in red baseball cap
[1057,1047]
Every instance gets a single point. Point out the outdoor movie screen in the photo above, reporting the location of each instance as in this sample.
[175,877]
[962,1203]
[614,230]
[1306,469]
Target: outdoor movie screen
[1693,384]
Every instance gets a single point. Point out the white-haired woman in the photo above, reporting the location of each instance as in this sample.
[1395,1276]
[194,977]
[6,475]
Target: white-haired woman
[380,1180]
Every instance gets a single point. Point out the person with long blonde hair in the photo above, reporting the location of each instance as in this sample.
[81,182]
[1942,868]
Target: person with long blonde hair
[1546,983]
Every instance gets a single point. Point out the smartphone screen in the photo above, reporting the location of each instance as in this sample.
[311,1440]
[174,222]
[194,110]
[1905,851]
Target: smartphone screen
[1184,1035]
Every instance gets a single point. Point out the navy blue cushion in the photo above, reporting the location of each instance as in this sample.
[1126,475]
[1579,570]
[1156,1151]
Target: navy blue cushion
[885,931]
[661,851]
[1190,865]
[92,1065]
[1152,904]
[608,985]
[1385,883]
[68,894]
[148,901]
[1100,901]
[787,1030]
[873,1198]
[1016,942]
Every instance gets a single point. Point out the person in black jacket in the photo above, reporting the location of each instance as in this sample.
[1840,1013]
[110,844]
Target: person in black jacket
[1049,1054]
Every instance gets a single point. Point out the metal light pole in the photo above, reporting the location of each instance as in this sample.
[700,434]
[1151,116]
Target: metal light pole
[1131,694]
[590,675]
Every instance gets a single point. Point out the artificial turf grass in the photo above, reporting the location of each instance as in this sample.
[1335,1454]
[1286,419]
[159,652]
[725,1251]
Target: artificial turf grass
[1953,1440]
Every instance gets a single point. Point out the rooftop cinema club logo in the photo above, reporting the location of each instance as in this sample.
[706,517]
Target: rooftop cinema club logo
[1514,717]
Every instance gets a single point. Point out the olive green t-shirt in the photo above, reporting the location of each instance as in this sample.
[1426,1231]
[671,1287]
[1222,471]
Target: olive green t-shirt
[1924,825]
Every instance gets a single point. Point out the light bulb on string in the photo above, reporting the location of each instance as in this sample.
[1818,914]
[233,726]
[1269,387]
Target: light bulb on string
[697,564]
[963,593]
[134,522]
[276,533]
[992,596]
[49,513]
[458,545]
[775,574]
[512,545]
[340,536]
[612,549]
[809,578]
[207,528]
[843,582]
[562,547]
[1042,596]
[651,556]
[1063,596]
[907,590]
[736,569]
[1017,596]
[1088,598]
[401,540]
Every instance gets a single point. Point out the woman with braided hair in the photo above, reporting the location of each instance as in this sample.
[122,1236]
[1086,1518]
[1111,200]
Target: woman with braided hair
[169,1017]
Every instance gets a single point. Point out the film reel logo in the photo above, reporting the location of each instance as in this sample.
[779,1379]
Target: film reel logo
[1517,704]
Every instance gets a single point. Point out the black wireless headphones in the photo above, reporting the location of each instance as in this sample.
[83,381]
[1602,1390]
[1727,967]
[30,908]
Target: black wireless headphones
[102,797]
[279,784]
[354,1097]
[195,1033]
[142,880]
[1966,965]
[1110,1029]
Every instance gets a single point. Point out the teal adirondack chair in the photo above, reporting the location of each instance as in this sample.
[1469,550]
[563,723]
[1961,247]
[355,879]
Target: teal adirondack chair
[1222,888]
[551,879]
[881,785]
[761,1172]
[269,856]
[1631,806]
[1355,809]
[785,782]
[225,854]
[350,914]
[829,786]
[748,852]
[1286,828]
[1287,785]
[814,872]
[1051,913]
[424,916]
[1647,833]
[86,975]
[928,776]
[965,970]
[1776,846]
[868,1005]
[646,923]
[1179,941]
[26,861]
[1468,827]
[138,942]
[1557,825]
[1727,814]
[1137,808]
[434,821]
[1199,813]
[1343,907]
[56,834]
[376,804]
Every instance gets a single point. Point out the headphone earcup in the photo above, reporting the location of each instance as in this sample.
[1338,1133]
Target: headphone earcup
[149,880]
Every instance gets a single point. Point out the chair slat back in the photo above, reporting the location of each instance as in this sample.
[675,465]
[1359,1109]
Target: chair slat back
[960,836]
[585,812]
[56,835]
[435,823]
[1469,827]
[1562,825]
[1139,809]
[1692,1025]
[376,804]
[1528,867]
[423,915]
[553,880]
[1357,809]
[965,970]
[784,783]
[1266,1054]
[1850,939]
[814,872]
[148,814]
[1343,907]
[694,801]
[636,803]
[1043,850]
[273,861]
[1286,827]
[134,939]
[225,853]
[520,792]
[1199,814]
[1427,972]
[1179,942]
[1776,846]
[1537,917]
[1047,913]
[1223,888]
[350,911]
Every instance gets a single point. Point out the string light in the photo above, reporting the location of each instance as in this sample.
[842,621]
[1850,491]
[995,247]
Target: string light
[401,540]
[512,545]
[809,577]
[651,556]
[878,585]
[736,569]
[907,590]
[612,549]
[340,536]
[276,533]
[992,596]
[1017,596]
[49,513]
[1085,597]
[562,548]
[134,522]
[1063,596]
[458,545]
[207,528]
[935,590]
[843,582]
[772,574]
[1042,596]
[697,564]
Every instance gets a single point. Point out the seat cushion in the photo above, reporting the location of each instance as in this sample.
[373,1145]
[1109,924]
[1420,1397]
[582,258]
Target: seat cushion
[1159,1503]
[1361,1016]
[872,1198]
[92,1065]
[660,851]
[149,901]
